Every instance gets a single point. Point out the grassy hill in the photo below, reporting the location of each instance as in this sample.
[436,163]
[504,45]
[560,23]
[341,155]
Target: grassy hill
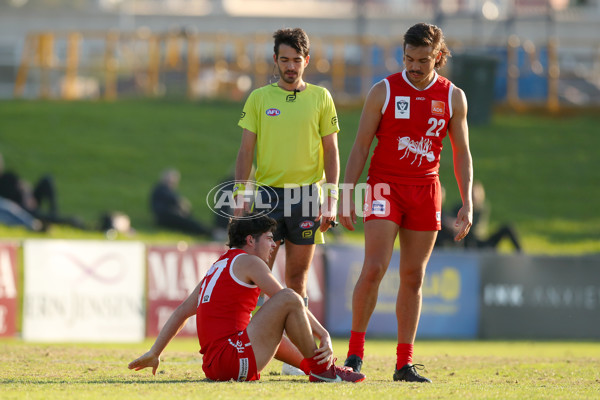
[541,173]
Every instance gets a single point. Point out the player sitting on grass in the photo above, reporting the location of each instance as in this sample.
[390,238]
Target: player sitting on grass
[233,345]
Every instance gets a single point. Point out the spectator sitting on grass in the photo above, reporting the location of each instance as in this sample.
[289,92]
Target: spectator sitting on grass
[479,237]
[170,209]
[31,199]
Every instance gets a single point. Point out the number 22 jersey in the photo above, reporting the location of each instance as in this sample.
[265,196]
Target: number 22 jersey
[413,124]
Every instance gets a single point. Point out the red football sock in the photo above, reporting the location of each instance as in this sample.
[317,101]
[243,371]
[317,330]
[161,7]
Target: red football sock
[404,353]
[309,365]
[356,345]
[305,366]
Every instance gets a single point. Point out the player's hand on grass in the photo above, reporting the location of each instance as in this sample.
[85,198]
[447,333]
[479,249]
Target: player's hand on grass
[147,360]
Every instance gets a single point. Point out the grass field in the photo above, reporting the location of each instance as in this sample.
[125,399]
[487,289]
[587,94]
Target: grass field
[540,172]
[459,370]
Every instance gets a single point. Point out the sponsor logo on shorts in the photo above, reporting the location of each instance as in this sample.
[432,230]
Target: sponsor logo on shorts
[273,112]
[378,207]
[438,107]
[307,234]
[239,345]
[244,367]
[438,215]
[306,224]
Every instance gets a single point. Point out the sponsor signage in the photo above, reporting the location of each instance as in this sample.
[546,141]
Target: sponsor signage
[173,272]
[540,297]
[450,294]
[8,289]
[87,291]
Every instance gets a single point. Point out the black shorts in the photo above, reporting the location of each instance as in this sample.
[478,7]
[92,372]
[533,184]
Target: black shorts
[294,209]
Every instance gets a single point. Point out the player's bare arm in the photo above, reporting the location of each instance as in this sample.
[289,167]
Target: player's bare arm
[331,159]
[458,132]
[174,324]
[252,270]
[369,121]
[243,163]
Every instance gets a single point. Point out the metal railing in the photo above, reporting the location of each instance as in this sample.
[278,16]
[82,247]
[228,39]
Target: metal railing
[112,64]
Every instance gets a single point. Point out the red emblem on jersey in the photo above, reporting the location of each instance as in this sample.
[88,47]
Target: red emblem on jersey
[438,107]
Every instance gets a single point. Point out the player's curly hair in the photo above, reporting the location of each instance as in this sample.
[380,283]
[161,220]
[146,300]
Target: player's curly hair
[423,34]
[296,38]
[250,224]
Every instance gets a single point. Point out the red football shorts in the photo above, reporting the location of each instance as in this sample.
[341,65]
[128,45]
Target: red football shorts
[414,207]
[231,358]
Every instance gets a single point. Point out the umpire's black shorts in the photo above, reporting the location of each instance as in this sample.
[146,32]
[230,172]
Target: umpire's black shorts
[295,209]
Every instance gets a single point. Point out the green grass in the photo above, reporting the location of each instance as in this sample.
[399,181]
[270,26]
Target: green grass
[540,172]
[459,370]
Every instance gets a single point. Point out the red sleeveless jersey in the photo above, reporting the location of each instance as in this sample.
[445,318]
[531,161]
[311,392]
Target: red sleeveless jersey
[413,124]
[225,303]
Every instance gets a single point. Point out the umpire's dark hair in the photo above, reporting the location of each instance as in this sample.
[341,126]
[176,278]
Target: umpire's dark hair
[250,224]
[296,38]
[423,34]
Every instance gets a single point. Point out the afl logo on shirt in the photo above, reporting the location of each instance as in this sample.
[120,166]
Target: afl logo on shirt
[402,107]
[273,112]
[438,107]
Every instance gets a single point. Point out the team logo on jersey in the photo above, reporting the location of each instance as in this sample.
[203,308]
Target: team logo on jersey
[420,149]
[273,112]
[438,107]
[402,108]
[306,224]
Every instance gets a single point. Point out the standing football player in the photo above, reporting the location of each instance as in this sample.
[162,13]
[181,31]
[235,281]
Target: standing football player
[410,113]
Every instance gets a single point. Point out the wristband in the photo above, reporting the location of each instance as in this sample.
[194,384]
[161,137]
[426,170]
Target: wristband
[237,189]
[333,193]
